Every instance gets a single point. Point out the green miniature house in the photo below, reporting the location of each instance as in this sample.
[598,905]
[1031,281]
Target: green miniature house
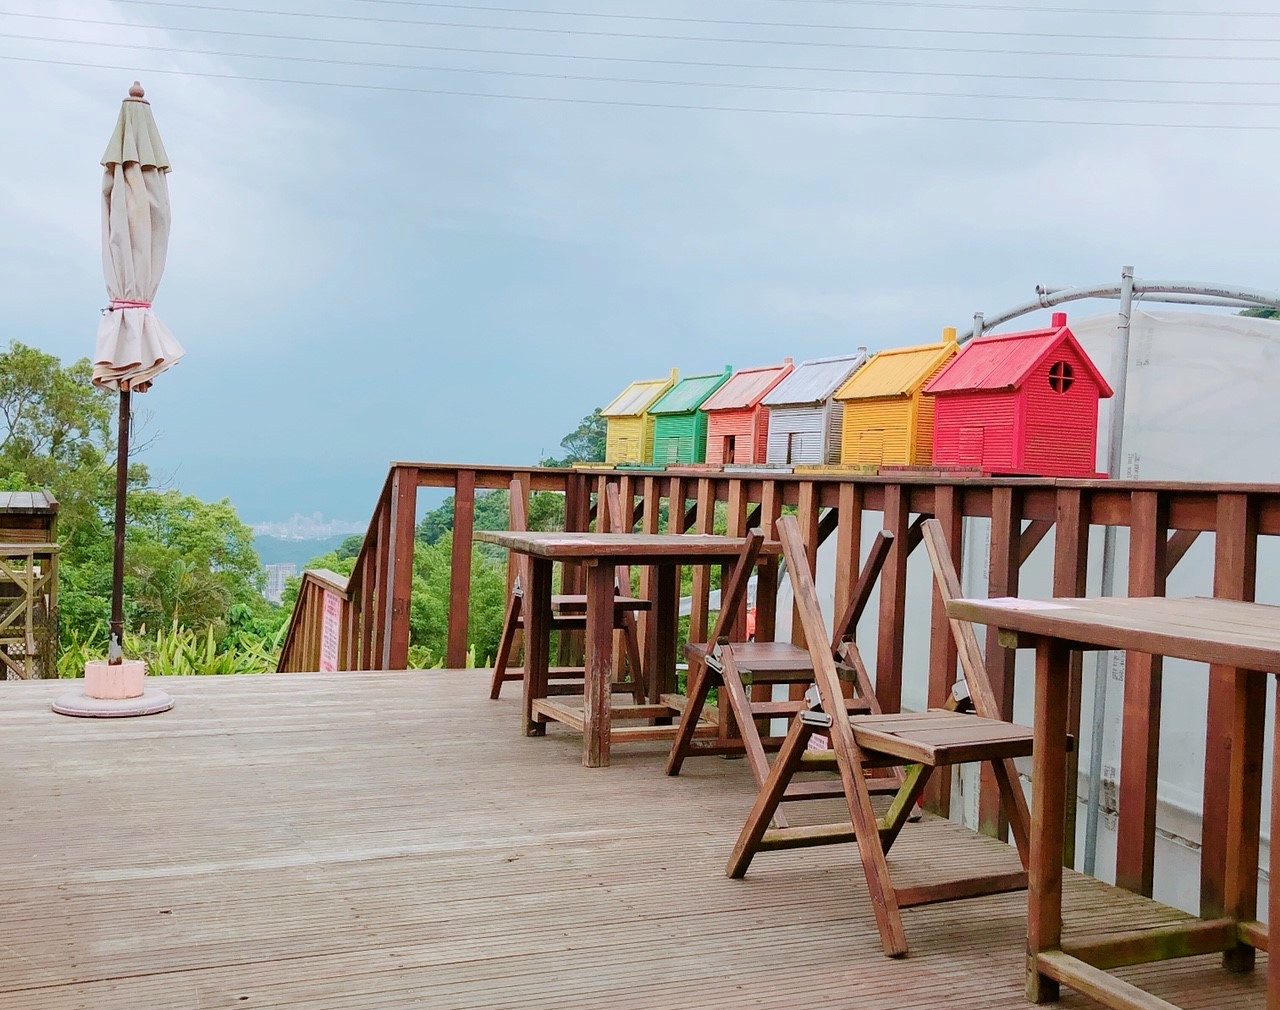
[680,428]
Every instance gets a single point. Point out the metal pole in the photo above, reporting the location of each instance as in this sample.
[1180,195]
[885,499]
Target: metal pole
[1103,659]
[115,652]
[978,324]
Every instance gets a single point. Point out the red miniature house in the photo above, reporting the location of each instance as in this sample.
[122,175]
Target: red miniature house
[1019,403]
[737,422]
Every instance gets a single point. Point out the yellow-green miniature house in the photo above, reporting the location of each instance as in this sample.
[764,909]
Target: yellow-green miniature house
[888,420]
[628,424]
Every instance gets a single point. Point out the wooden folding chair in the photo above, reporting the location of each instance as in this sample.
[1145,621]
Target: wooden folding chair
[917,743]
[568,613]
[735,667]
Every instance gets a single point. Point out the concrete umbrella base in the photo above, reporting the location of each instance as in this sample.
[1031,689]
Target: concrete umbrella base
[111,691]
[149,702]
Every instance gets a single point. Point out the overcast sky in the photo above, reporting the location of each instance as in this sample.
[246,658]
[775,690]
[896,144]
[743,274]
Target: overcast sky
[383,270]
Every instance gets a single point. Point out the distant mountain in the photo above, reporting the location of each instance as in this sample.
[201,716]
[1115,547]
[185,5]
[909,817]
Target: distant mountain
[276,550]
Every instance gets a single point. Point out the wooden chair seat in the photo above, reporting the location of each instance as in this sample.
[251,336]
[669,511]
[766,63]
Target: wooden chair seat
[938,737]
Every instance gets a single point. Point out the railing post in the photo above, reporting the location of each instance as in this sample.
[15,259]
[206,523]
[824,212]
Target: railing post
[848,543]
[1234,578]
[943,654]
[399,581]
[1140,739]
[893,601]
[701,588]
[464,500]
[767,577]
[382,581]
[1002,580]
[1070,568]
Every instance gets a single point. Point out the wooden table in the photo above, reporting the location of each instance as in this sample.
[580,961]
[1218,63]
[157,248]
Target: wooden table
[600,553]
[1241,635]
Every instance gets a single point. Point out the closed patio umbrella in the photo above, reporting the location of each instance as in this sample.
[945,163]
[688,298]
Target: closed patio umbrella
[133,347]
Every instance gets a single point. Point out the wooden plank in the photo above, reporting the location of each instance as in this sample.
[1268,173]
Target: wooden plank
[963,887]
[701,586]
[1002,580]
[537,644]
[1180,541]
[1070,573]
[943,655]
[599,666]
[464,499]
[893,602]
[1097,984]
[1139,946]
[1140,740]
[848,542]
[1048,766]
[807,516]
[1234,577]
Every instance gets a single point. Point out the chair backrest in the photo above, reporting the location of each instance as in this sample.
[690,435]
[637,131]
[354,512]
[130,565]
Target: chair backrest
[972,665]
[518,522]
[733,597]
[809,611]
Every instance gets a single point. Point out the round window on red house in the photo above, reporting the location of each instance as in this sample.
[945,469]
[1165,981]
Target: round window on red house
[1060,376]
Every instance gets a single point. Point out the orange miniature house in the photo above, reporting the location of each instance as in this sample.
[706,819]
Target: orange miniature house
[887,418]
[1020,403]
[737,422]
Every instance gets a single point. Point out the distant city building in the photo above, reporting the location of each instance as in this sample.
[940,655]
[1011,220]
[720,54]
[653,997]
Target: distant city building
[312,527]
[276,577]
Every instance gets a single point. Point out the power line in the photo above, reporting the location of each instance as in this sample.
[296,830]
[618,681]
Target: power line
[600,79]
[672,19]
[644,36]
[619,103]
[1020,9]
[655,61]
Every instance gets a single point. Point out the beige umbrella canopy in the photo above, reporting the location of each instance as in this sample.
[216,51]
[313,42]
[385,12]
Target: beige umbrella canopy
[133,346]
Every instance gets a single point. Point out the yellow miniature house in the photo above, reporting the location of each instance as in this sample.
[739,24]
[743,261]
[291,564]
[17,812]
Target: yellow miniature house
[888,421]
[628,423]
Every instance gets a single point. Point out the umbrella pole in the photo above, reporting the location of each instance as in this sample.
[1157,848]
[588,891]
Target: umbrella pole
[115,653]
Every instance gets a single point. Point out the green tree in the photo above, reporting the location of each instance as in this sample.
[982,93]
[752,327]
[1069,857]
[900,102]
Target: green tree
[585,444]
[1261,312]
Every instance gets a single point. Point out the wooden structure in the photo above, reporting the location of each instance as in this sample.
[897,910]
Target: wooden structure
[1234,635]
[1163,520]
[679,427]
[383,841]
[568,613]
[28,585]
[733,667]
[804,415]
[737,421]
[1019,403]
[628,423]
[887,418]
[601,553]
[855,744]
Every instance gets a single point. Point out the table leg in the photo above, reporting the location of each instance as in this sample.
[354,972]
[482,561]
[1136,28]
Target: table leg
[1244,809]
[1048,814]
[537,644]
[662,643]
[598,673]
[1273,891]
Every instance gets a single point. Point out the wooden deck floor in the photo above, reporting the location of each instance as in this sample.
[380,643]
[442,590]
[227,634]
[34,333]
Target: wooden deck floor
[378,841]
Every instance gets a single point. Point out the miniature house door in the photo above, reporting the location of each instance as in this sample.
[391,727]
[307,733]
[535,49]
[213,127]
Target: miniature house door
[730,445]
[871,445]
[972,445]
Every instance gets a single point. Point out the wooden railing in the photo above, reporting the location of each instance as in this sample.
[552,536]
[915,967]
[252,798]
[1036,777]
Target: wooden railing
[1163,519]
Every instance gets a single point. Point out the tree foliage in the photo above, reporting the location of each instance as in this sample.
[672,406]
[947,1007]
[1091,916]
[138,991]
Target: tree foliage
[585,444]
[1261,312]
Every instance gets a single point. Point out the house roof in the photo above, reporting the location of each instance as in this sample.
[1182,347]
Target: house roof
[747,386]
[814,382]
[28,501]
[1006,360]
[637,397]
[689,393]
[899,371]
